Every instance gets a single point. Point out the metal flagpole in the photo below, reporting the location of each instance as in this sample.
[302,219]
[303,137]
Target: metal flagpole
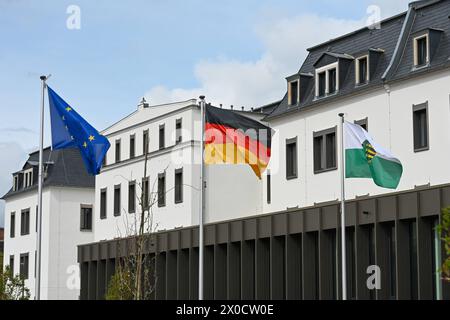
[343,250]
[40,182]
[202,202]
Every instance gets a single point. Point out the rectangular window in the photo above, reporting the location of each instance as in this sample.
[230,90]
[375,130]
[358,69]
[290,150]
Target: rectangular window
[420,123]
[178,128]
[86,218]
[104,160]
[293,91]
[291,158]
[145,142]
[322,84]
[12,225]
[11,264]
[178,185]
[421,51]
[24,266]
[145,193]
[25,222]
[324,144]
[117,151]
[161,190]
[161,137]
[362,70]
[16,183]
[269,181]
[117,200]
[332,81]
[132,197]
[28,178]
[363,123]
[103,203]
[132,146]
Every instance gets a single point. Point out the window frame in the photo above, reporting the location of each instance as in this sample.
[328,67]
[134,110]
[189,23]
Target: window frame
[324,155]
[27,178]
[416,50]
[161,193]
[83,227]
[118,151]
[12,259]
[416,108]
[146,192]
[290,92]
[326,69]
[292,141]
[103,208]
[12,226]
[25,224]
[268,187]
[132,146]
[162,137]
[15,182]
[358,70]
[179,192]
[117,210]
[178,131]
[145,141]
[26,266]
[363,122]
[132,209]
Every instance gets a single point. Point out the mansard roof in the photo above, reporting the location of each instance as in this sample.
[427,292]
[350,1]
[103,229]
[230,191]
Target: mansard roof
[62,168]
[392,42]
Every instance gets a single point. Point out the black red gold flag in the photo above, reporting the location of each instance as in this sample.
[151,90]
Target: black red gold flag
[231,138]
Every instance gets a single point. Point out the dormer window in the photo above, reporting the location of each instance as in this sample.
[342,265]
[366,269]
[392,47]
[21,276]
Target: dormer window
[28,178]
[293,93]
[421,51]
[332,81]
[327,80]
[16,183]
[362,70]
[322,84]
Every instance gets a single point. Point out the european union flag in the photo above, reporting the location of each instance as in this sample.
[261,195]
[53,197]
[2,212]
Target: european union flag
[69,129]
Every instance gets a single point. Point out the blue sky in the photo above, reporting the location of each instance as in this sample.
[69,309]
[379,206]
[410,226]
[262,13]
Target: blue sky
[235,52]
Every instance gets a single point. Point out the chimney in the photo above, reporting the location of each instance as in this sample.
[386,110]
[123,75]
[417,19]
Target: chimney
[231,107]
[143,104]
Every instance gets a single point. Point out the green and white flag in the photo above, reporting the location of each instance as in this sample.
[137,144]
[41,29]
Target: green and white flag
[364,158]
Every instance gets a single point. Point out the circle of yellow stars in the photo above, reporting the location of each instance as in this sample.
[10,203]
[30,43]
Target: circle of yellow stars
[91,137]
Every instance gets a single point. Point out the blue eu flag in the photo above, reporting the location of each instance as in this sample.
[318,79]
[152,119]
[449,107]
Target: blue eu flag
[69,129]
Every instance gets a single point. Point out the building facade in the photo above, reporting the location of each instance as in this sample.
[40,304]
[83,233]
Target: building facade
[67,205]
[171,132]
[394,80]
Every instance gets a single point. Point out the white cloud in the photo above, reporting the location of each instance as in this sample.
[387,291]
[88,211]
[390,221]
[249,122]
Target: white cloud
[253,83]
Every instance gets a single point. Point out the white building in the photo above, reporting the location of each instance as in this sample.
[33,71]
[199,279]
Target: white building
[394,80]
[67,203]
[173,135]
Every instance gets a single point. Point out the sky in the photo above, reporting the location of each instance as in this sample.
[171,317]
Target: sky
[104,56]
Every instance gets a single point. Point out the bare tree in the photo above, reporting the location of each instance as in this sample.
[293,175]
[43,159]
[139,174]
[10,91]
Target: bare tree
[134,277]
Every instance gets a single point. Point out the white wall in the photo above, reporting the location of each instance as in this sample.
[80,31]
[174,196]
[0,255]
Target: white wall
[232,191]
[60,236]
[390,124]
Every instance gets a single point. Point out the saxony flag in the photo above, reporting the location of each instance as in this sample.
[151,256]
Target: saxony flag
[364,158]
[231,138]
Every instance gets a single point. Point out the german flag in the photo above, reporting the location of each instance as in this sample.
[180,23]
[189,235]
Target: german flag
[231,138]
